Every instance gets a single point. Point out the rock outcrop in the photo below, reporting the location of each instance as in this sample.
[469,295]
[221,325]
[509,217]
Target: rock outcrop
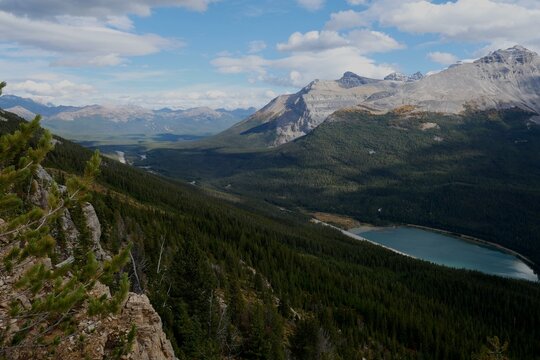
[93,224]
[95,337]
[102,336]
[151,342]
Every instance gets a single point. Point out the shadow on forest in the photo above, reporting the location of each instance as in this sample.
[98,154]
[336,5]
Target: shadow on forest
[483,182]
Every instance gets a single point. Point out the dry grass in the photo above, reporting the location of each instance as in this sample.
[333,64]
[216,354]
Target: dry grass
[340,221]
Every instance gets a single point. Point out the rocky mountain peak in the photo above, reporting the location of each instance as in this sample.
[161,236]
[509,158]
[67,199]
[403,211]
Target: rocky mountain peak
[416,76]
[514,55]
[502,79]
[397,76]
[350,80]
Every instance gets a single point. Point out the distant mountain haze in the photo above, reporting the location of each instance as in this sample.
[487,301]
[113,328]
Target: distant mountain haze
[95,120]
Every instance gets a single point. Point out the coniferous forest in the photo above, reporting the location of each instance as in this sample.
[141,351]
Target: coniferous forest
[240,279]
[475,174]
[270,180]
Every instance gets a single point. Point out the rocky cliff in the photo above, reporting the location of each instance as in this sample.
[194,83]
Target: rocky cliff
[95,337]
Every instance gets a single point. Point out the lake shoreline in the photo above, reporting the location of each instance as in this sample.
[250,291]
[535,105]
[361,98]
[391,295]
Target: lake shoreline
[365,227]
[361,238]
[476,240]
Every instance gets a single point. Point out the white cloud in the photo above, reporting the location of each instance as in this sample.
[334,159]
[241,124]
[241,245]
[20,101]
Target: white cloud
[94,8]
[442,58]
[369,41]
[210,95]
[15,51]
[15,69]
[346,20]
[56,89]
[495,22]
[45,92]
[330,64]
[245,64]
[313,55]
[313,41]
[224,53]
[256,46]
[300,68]
[96,61]
[81,39]
[311,5]
[120,22]
[356,2]
[366,41]
[139,74]
[89,44]
[465,19]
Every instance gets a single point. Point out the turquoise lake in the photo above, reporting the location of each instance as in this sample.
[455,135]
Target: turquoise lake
[449,251]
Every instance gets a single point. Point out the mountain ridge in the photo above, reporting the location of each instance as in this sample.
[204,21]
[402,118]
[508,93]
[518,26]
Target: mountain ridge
[92,120]
[502,79]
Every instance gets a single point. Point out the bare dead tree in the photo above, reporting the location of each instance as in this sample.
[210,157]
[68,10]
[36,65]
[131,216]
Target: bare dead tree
[135,272]
[160,254]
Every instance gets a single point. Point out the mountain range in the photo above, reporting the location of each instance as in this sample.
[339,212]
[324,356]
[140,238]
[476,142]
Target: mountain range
[502,79]
[93,121]
[407,151]
[233,265]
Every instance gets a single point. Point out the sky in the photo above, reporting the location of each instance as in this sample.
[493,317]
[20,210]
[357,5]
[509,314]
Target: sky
[238,53]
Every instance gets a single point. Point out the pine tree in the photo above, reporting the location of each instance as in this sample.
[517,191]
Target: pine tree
[494,350]
[44,296]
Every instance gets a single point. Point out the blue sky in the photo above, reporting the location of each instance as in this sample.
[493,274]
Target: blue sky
[238,53]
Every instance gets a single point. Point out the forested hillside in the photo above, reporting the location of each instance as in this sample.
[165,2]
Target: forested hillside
[239,279]
[475,174]
[61,295]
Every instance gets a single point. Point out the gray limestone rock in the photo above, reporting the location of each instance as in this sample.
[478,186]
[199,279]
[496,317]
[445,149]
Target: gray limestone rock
[502,79]
[94,226]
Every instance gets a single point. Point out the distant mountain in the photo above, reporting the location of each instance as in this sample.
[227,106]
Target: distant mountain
[22,112]
[95,120]
[19,103]
[502,79]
